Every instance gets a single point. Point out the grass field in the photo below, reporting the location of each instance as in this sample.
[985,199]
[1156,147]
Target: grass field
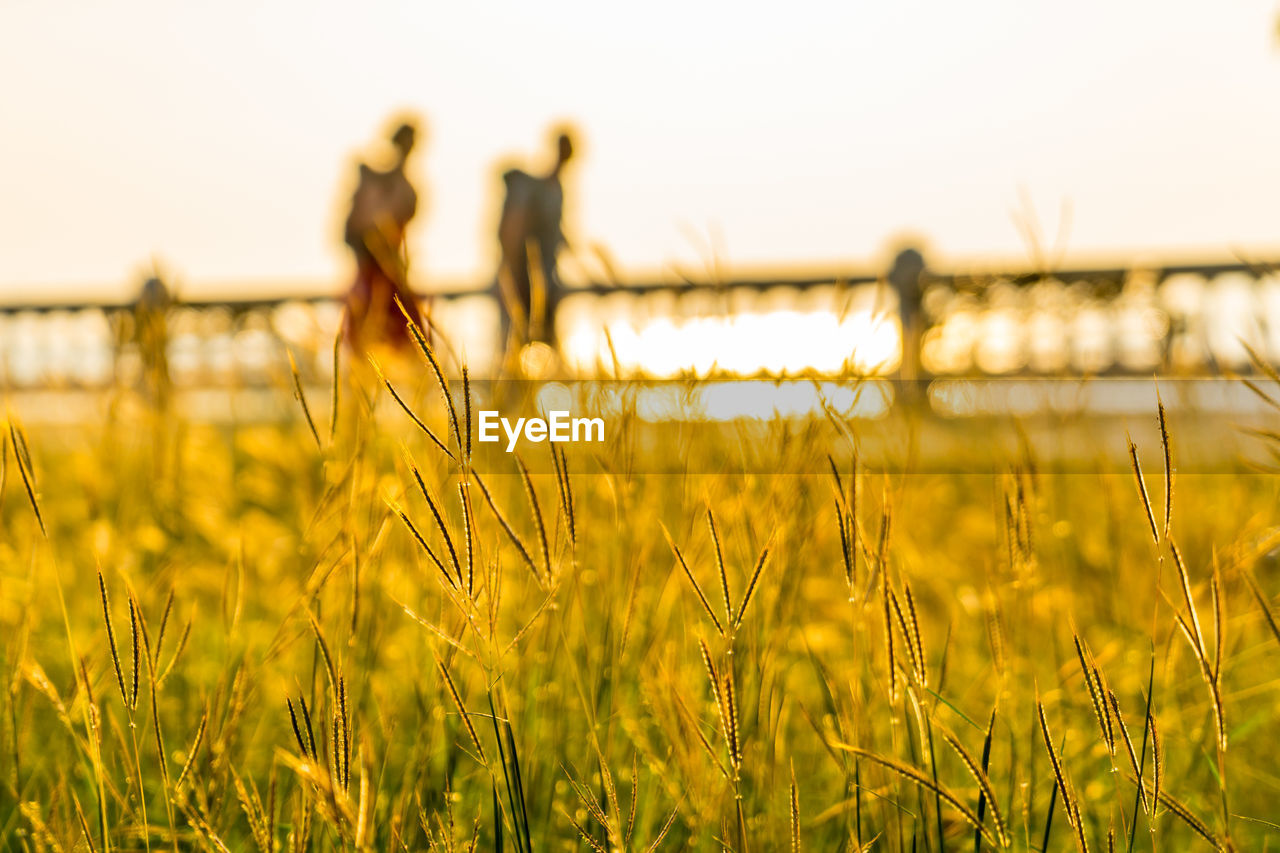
[260,638]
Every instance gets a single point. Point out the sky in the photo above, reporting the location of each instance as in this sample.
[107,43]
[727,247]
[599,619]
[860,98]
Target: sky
[221,140]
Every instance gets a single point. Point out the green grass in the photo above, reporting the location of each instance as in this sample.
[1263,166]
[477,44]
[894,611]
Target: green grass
[554,680]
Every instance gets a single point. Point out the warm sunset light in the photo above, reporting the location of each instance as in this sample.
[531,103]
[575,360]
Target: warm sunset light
[677,427]
[221,138]
[641,341]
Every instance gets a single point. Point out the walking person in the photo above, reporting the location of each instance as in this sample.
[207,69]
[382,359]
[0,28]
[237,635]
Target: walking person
[383,205]
[530,236]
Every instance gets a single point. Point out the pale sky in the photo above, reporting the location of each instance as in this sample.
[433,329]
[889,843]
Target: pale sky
[221,137]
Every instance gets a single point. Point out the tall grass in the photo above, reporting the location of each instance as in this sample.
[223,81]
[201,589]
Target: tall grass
[386,647]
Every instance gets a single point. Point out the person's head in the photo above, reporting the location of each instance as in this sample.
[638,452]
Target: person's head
[403,139]
[154,294]
[563,142]
[564,148]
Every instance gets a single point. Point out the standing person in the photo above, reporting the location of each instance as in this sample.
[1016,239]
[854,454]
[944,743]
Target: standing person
[530,236]
[381,208]
[151,337]
[905,279]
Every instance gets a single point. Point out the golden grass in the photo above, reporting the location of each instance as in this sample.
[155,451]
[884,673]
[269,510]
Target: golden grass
[367,663]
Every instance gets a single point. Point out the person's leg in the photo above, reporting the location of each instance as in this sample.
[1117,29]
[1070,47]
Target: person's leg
[504,313]
[397,325]
[523,307]
[553,290]
[357,307]
[512,293]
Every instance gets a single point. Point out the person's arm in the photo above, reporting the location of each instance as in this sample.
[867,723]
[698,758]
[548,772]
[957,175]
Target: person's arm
[411,203]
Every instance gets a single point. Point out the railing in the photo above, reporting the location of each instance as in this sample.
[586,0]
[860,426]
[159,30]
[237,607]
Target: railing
[1187,319]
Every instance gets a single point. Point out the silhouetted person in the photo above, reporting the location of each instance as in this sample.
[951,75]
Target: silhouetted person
[151,336]
[530,237]
[904,278]
[381,208]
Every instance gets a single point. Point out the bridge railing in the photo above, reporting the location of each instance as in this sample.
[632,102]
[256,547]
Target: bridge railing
[1187,319]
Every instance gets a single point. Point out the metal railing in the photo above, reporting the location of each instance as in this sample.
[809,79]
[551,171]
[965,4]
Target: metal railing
[1185,318]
